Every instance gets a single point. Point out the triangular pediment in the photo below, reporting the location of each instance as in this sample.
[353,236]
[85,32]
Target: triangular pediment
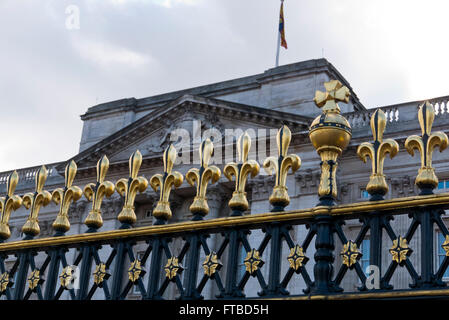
[152,133]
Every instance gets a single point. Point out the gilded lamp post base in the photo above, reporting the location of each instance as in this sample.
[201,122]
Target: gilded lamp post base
[199,208]
[94,220]
[127,216]
[238,203]
[279,198]
[426,180]
[162,212]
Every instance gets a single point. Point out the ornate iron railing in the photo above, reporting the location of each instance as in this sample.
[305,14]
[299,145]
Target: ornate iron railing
[240,256]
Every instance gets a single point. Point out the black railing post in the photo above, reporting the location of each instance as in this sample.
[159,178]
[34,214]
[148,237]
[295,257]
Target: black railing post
[52,274]
[375,242]
[21,275]
[192,268]
[116,290]
[155,269]
[274,279]
[324,256]
[231,289]
[85,272]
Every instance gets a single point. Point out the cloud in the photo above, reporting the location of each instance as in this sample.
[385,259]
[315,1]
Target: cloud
[389,51]
[107,55]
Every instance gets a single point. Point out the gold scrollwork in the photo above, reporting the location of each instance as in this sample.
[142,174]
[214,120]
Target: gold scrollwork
[165,182]
[241,171]
[253,261]
[350,254]
[426,179]
[400,250]
[34,279]
[280,166]
[34,201]
[100,274]
[4,282]
[64,196]
[201,177]
[66,277]
[95,192]
[172,268]
[297,258]
[9,203]
[377,151]
[211,264]
[129,187]
[135,271]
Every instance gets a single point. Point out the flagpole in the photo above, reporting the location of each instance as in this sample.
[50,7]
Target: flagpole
[278,49]
[278,45]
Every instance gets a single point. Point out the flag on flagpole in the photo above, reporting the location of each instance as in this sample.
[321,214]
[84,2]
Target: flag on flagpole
[282,26]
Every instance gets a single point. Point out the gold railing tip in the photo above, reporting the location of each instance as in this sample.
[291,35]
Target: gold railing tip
[280,166]
[241,171]
[9,203]
[96,192]
[201,177]
[426,179]
[40,198]
[377,151]
[164,183]
[129,188]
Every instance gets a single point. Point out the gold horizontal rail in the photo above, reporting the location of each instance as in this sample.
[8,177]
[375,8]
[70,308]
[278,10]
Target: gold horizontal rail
[227,222]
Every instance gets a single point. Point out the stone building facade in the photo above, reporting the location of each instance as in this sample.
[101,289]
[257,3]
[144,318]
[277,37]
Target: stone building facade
[260,104]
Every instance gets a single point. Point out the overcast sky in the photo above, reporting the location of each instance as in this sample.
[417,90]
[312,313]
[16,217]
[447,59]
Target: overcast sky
[390,51]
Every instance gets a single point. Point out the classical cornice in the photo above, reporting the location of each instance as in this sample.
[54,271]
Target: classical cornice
[188,104]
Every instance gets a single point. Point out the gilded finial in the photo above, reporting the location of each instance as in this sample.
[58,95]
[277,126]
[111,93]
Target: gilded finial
[95,192]
[64,196]
[129,187]
[164,182]
[201,177]
[377,186]
[241,170]
[280,166]
[426,144]
[40,198]
[9,203]
[330,134]
[335,91]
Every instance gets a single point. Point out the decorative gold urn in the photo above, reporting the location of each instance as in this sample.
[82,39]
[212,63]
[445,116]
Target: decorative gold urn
[330,133]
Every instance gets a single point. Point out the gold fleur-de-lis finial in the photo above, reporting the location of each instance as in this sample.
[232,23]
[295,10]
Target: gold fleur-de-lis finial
[95,192]
[40,198]
[65,196]
[9,203]
[201,177]
[165,182]
[280,166]
[335,91]
[129,187]
[426,179]
[241,171]
[377,186]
